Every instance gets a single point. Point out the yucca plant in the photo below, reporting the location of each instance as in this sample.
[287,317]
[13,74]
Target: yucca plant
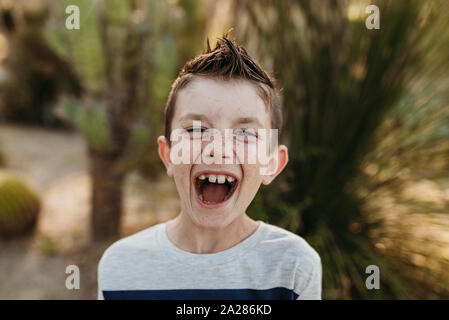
[338,82]
[403,185]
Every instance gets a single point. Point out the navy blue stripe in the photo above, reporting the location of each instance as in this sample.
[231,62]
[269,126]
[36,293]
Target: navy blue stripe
[278,293]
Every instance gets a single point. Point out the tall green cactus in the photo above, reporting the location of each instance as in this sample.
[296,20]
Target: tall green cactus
[127,53]
[19,207]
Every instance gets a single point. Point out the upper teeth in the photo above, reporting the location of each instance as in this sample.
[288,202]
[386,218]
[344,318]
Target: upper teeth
[216,178]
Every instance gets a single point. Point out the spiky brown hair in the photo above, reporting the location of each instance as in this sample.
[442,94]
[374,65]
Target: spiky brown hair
[226,61]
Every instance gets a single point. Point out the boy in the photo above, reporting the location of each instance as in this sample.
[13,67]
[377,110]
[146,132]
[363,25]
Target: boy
[213,249]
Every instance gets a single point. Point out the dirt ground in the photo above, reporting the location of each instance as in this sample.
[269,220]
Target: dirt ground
[54,164]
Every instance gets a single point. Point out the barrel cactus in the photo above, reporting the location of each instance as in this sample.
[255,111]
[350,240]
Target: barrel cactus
[19,207]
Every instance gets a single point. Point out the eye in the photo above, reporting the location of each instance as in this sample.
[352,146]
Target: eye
[245,133]
[196,129]
[196,132]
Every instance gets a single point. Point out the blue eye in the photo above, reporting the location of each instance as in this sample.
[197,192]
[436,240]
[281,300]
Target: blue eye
[245,133]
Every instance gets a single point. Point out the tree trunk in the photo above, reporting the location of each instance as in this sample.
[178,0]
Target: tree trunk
[106,196]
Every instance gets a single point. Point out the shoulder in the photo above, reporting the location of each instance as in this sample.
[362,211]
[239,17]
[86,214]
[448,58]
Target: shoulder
[297,248]
[125,249]
[305,261]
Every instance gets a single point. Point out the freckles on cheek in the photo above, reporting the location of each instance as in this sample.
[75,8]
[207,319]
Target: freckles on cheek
[246,153]
[252,176]
[180,152]
[182,179]
[188,151]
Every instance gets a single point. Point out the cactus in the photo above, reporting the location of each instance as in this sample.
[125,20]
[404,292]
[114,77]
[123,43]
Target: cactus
[19,207]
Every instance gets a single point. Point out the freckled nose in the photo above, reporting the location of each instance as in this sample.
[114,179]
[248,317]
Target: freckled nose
[226,152]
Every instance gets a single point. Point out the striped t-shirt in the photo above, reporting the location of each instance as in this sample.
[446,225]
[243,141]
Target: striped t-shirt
[270,264]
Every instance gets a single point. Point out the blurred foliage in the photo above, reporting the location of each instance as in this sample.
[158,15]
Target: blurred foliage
[91,122]
[340,84]
[33,74]
[127,54]
[19,207]
[149,36]
[2,158]
[48,246]
[403,184]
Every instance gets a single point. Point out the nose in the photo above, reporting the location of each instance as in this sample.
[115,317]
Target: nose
[219,147]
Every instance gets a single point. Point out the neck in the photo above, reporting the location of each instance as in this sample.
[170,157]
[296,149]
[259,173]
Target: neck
[188,236]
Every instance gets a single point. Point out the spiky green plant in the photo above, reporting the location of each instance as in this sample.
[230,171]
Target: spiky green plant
[19,207]
[338,82]
[35,75]
[127,53]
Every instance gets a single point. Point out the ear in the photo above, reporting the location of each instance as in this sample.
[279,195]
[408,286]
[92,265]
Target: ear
[164,154]
[276,165]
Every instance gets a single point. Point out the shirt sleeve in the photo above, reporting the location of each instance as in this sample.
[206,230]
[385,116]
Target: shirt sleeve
[309,288]
[100,294]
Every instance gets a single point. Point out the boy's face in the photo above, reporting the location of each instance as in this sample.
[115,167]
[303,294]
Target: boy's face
[213,195]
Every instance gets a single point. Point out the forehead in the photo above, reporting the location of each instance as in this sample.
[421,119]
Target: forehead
[221,101]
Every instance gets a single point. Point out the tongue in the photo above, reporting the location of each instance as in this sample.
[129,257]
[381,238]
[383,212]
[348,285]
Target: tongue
[213,192]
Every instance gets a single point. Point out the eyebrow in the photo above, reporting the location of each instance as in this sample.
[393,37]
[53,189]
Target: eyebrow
[202,117]
[252,120]
[194,116]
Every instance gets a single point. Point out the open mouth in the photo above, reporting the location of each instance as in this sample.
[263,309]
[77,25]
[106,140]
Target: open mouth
[214,189]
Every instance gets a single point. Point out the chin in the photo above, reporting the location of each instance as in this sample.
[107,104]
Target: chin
[212,220]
